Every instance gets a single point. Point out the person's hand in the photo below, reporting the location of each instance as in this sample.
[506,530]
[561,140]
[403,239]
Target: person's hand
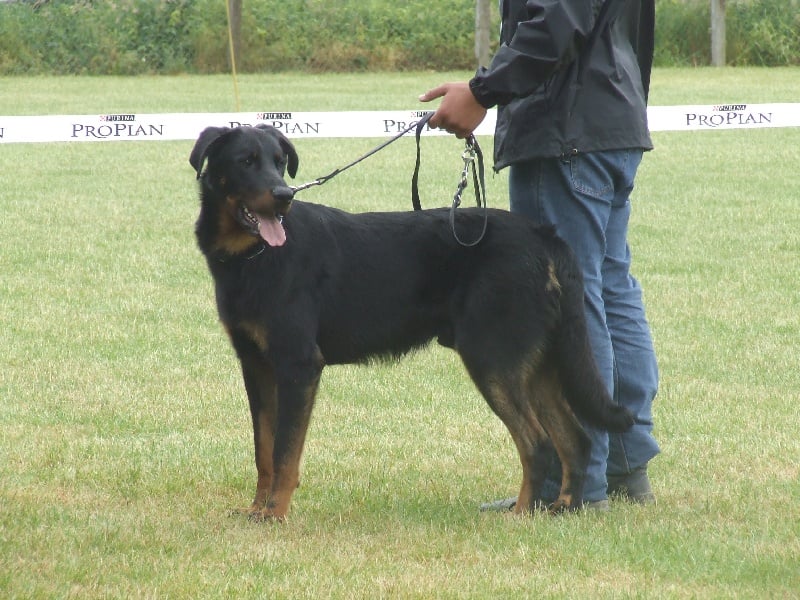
[459,113]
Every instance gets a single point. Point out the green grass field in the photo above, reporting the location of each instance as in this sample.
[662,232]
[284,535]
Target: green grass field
[124,431]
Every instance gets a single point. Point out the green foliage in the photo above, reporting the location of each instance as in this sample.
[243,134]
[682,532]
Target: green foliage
[121,37]
[758,32]
[125,37]
[352,35]
[682,33]
[764,32]
[128,37]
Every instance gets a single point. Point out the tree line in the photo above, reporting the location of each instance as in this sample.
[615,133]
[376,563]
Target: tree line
[129,37]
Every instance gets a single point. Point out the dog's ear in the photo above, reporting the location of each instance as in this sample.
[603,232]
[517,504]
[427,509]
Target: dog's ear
[208,136]
[291,154]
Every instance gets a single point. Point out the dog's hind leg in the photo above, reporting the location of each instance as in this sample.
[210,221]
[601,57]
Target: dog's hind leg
[506,395]
[566,434]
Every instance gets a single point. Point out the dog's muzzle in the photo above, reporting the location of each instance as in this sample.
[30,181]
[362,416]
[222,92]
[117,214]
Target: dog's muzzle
[268,224]
[283,196]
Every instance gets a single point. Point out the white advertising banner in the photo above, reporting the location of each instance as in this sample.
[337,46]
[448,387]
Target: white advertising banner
[358,124]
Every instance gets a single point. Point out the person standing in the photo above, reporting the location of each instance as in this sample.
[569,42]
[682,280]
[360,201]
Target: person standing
[570,81]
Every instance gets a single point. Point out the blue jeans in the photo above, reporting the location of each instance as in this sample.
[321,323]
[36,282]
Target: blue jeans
[587,199]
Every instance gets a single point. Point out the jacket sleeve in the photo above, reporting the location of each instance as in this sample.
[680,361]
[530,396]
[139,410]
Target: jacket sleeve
[548,34]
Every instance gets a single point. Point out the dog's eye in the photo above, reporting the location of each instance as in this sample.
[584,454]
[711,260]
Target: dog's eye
[280,159]
[250,160]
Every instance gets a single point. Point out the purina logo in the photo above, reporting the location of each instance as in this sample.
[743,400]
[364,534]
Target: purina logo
[729,107]
[117,117]
[274,116]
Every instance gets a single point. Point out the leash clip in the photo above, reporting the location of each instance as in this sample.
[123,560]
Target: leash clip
[473,161]
[305,186]
[468,156]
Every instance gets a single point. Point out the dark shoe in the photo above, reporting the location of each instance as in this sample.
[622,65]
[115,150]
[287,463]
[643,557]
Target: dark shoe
[633,486]
[599,506]
[506,505]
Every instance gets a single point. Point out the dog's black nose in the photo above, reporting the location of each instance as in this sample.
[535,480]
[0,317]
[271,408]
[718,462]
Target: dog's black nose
[282,194]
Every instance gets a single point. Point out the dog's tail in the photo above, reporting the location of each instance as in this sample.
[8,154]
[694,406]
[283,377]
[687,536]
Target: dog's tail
[580,379]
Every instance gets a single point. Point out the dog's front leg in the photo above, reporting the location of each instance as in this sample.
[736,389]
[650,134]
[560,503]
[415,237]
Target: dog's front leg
[296,392]
[262,395]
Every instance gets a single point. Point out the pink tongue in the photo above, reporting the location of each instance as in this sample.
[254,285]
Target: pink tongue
[271,231]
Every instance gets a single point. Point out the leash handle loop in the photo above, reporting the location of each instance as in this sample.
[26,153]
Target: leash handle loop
[415,177]
[472,155]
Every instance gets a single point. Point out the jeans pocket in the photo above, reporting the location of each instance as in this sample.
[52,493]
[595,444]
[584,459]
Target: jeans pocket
[590,177]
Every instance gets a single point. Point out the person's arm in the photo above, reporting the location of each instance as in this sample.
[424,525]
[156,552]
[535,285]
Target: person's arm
[549,36]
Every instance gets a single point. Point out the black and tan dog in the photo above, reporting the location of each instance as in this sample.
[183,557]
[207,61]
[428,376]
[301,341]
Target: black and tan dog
[300,286]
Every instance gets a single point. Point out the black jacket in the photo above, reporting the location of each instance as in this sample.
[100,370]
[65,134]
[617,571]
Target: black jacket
[561,89]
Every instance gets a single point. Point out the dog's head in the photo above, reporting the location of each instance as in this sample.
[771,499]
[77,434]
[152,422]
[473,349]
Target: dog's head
[244,171]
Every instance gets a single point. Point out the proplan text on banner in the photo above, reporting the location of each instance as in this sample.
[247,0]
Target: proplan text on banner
[187,126]
[354,124]
[723,116]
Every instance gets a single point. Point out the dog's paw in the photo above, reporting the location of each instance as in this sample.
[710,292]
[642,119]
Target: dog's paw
[562,505]
[244,511]
[266,515]
[532,507]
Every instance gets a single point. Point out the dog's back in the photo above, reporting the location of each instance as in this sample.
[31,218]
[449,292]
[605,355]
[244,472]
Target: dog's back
[390,282]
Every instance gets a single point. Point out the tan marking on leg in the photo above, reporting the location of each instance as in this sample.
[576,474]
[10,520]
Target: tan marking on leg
[286,478]
[566,434]
[256,332]
[552,285]
[527,433]
[264,413]
[264,444]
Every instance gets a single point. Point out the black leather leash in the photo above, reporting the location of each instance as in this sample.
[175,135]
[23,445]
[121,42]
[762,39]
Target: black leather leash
[472,154]
[334,173]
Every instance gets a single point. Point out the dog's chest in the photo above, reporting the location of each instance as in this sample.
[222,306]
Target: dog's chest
[242,299]
[245,321]
[252,304]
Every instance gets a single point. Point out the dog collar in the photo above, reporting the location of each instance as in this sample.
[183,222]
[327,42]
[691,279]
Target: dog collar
[224,258]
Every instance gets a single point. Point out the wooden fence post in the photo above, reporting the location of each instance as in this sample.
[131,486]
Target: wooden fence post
[718,33]
[483,24]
